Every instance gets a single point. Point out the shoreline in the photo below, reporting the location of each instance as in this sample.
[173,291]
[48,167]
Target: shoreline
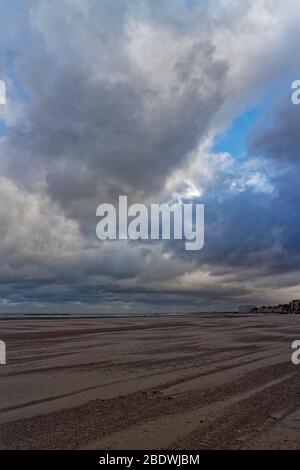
[192,382]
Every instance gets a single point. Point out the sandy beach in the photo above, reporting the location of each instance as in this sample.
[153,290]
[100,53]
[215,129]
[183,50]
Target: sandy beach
[188,382]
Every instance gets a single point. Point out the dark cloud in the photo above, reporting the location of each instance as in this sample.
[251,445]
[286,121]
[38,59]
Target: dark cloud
[279,137]
[110,98]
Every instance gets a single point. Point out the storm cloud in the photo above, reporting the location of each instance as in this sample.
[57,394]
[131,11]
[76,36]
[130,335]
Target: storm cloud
[108,98]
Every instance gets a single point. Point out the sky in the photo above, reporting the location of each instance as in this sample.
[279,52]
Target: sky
[160,101]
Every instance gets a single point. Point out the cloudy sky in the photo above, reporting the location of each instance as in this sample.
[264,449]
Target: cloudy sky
[158,100]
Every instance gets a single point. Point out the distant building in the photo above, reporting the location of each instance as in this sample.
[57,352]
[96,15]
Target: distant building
[291,307]
[295,306]
[246,308]
[282,308]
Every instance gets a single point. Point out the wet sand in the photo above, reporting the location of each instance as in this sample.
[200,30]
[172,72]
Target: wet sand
[189,382]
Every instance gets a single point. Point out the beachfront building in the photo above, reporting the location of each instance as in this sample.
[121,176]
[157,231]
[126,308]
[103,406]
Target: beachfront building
[295,306]
[291,307]
[246,308]
[281,308]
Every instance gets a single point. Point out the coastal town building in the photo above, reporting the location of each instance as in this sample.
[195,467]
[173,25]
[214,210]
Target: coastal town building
[291,307]
[295,306]
[246,308]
